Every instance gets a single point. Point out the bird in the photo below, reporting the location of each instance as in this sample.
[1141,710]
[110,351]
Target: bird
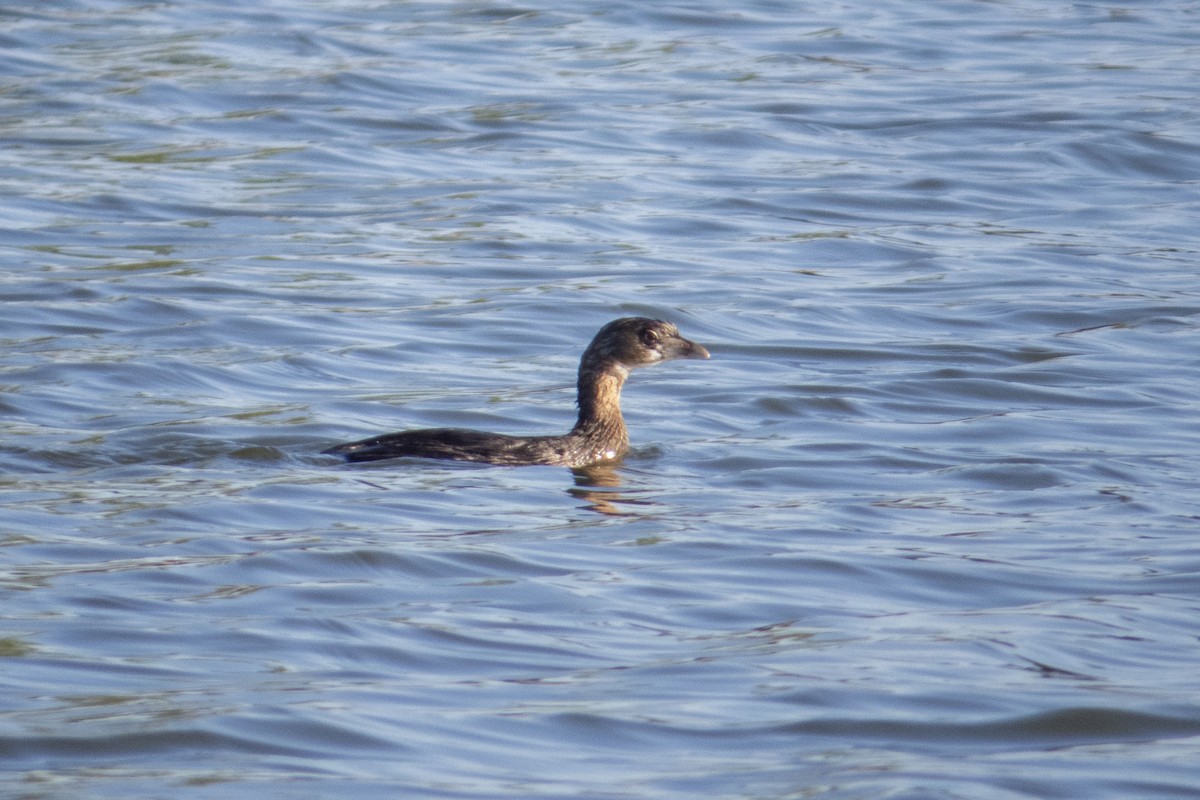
[599,435]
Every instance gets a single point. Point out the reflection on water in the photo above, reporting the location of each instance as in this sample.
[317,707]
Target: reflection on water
[597,486]
[927,528]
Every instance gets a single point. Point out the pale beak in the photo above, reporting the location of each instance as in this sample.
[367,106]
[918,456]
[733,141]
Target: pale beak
[684,348]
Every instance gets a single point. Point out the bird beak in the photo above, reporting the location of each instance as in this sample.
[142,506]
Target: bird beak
[685,348]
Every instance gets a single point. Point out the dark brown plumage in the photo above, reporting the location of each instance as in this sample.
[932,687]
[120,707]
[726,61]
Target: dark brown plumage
[599,434]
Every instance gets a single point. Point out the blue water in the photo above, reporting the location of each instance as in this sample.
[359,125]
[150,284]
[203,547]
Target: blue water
[925,526]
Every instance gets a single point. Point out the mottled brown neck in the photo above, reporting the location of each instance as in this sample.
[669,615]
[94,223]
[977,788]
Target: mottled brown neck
[600,405]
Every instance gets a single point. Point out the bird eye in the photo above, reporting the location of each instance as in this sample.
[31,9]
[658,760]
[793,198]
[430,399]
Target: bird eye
[650,337]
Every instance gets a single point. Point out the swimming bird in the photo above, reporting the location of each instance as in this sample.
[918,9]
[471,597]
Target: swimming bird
[599,435]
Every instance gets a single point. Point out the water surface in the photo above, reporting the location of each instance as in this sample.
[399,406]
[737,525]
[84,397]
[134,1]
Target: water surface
[924,527]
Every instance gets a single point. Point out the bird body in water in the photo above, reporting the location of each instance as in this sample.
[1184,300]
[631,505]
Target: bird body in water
[599,435]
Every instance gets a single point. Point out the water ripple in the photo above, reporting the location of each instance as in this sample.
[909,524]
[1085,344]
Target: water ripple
[923,526]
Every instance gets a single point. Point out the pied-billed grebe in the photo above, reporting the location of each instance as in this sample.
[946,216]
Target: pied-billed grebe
[597,437]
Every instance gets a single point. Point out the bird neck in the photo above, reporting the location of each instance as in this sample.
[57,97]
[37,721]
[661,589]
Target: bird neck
[600,404]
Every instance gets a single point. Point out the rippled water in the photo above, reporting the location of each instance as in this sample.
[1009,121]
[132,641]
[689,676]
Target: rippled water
[924,527]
